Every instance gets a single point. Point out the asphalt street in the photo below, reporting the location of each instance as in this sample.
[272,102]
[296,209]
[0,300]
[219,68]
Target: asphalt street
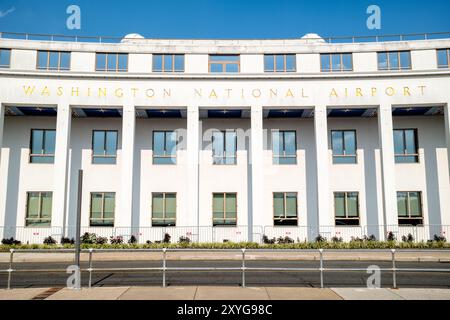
[40,278]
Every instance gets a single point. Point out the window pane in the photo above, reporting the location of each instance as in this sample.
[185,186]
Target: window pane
[398,142]
[268,63]
[442,58]
[42,59]
[65,61]
[279,60]
[290,143]
[111,143]
[101,62]
[53,64]
[410,139]
[46,211]
[96,205]
[278,205]
[231,206]
[339,205]
[382,61]
[179,63]
[218,203]
[336,62]
[158,205]
[168,62]
[347,62]
[33,205]
[232,67]
[216,67]
[352,204]
[277,143]
[171,205]
[5,58]
[99,143]
[290,63]
[218,144]
[414,204]
[109,205]
[157,63]
[405,60]
[402,204]
[230,144]
[123,62]
[393,60]
[350,142]
[37,141]
[158,143]
[112,62]
[171,143]
[224,58]
[291,205]
[325,62]
[336,138]
[50,140]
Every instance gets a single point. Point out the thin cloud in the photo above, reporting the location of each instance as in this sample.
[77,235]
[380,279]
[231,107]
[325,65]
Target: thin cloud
[5,13]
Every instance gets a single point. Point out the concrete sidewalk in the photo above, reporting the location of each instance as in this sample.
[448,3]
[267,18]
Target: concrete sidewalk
[437,256]
[224,293]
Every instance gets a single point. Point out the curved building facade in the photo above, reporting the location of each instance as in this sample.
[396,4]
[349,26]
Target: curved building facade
[219,140]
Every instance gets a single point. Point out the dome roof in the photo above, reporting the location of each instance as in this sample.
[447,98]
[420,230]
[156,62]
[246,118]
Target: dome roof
[313,37]
[132,36]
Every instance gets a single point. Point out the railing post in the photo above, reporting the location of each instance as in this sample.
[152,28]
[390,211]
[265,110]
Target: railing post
[164,267]
[10,270]
[243,268]
[394,270]
[90,267]
[321,267]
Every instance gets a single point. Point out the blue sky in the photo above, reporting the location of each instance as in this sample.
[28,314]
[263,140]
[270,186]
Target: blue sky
[224,18]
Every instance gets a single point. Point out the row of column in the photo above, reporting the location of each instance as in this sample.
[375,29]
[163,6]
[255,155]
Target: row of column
[325,215]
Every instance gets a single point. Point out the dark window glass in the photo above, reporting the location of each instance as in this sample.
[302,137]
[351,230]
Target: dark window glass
[344,146]
[284,147]
[104,147]
[409,208]
[164,147]
[405,146]
[346,208]
[285,209]
[42,146]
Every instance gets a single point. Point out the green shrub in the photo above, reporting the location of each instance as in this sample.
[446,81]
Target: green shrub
[49,240]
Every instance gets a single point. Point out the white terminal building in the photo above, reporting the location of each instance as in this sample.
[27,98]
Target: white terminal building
[220,140]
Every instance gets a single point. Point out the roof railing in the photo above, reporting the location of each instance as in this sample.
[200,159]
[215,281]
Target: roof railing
[342,39]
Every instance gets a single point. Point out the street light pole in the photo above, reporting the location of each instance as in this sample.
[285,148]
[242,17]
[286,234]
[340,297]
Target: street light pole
[78,225]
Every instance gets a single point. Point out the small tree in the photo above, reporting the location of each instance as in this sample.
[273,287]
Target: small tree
[391,236]
[49,241]
[167,238]
[132,240]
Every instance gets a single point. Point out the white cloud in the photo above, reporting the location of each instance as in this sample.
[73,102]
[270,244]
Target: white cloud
[5,13]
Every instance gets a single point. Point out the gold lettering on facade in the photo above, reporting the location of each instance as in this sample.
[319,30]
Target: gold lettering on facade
[406,92]
[289,94]
[167,93]
[101,92]
[213,94]
[119,93]
[60,91]
[198,92]
[134,91]
[390,91]
[75,91]
[273,93]
[29,90]
[45,92]
[256,93]
[374,91]
[333,93]
[228,93]
[358,92]
[150,93]
[422,89]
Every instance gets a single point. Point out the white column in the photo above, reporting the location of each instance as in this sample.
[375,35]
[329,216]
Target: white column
[447,132]
[61,167]
[193,143]
[3,171]
[2,120]
[386,138]
[324,212]
[124,216]
[255,216]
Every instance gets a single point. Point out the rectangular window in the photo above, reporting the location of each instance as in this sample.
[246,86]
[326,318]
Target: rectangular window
[284,147]
[104,147]
[53,60]
[346,208]
[164,208]
[394,60]
[111,62]
[409,207]
[224,209]
[224,147]
[5,58]
[39,209]
[336,62]
[344,146]
[168,63]
[42,146]
[405,145]
[224,63]
[164,147]
[279,63]
[443,57]
[102,209]
[285,209]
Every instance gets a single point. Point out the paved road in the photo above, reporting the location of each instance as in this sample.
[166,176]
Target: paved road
[253,278]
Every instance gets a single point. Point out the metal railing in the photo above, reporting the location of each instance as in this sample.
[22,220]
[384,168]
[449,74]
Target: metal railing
[342,39]
[243,269]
